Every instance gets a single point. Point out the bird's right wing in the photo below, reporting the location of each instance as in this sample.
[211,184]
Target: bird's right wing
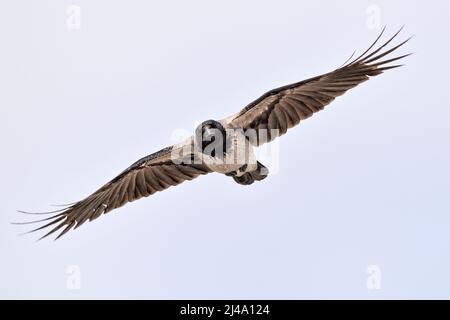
[281,109]
[145,177]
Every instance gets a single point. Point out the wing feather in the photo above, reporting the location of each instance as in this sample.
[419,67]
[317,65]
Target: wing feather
[283,108]
[143,178]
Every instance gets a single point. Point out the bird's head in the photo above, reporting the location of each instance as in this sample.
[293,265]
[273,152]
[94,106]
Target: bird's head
[210,138]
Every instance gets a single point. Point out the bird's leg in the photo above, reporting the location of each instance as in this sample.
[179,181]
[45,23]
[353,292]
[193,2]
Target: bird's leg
[247,178]
[260,173]
[238,172]
[242,169]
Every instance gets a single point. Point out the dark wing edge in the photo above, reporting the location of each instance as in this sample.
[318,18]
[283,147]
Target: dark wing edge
[283,108]
[145,177]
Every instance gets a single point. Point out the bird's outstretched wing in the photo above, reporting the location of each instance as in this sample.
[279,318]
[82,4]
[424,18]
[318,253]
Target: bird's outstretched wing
[281,109]
[145,177]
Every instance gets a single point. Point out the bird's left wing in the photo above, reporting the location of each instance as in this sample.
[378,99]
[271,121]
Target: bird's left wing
[281,109]
[145,177]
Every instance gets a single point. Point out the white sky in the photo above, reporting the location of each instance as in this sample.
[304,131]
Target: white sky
[364,183]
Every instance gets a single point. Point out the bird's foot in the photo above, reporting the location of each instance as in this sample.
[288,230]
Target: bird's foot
[247,178]
[260,173]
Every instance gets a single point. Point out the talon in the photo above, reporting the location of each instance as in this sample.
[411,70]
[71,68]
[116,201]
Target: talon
[246,179]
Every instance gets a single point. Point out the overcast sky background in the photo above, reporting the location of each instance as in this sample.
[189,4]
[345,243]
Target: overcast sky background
[364,183]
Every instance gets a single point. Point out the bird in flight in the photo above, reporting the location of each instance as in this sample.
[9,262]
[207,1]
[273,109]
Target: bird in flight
[226,146]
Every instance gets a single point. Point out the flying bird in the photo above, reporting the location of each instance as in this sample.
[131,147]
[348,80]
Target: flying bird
[226,146]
